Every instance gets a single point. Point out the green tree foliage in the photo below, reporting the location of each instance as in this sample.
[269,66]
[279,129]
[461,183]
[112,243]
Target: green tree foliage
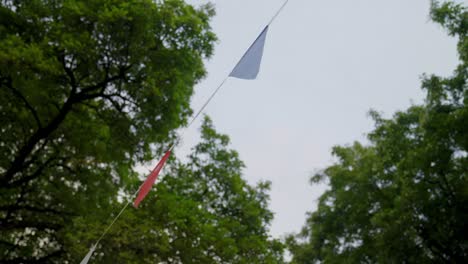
[87,90]
[201,211]
[403,198]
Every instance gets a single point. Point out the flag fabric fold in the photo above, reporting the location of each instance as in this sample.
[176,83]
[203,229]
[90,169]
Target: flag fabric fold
[146,186]
[249,65]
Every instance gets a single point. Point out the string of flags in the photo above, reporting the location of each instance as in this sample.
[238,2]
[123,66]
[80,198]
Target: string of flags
[247,68]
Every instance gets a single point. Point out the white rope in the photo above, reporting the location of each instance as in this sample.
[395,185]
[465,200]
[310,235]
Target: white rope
[278,12]
[178,138]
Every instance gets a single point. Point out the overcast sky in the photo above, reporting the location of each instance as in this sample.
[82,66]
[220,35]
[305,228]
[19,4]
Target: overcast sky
[325,65]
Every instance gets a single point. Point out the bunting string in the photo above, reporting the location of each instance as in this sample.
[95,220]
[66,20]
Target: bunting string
[278,12]
[247,68]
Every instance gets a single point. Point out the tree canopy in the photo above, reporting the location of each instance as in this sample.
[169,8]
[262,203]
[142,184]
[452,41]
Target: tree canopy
[201,211]
[88,89]
[404,197]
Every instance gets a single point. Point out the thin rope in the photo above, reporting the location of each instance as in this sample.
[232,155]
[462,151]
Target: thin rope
[109,227]
[200,111]
[278,12]
[208,101]
[118,215]
[179,137]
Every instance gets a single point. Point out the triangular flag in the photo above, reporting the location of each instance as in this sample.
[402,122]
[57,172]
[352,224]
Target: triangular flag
[249,65]
[146,187]
[88,256]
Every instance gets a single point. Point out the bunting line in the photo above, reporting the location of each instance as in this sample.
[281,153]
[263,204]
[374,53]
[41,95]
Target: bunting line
[257,53]
[278,12]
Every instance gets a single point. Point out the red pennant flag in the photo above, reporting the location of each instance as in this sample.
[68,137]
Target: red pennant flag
[146,187]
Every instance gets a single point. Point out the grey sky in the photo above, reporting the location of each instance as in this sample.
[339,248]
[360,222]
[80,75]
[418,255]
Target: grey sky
[325,64]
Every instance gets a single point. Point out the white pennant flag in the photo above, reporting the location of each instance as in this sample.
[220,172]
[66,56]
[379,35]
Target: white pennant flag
[249,66]
[88,256]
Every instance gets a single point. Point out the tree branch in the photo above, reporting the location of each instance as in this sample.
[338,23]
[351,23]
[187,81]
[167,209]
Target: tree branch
[33,209]
[44,132]
[70,74]
[17,202]
[18,94]
[36,174]
[6,225]
[106,81]
[44,259]
[25,151]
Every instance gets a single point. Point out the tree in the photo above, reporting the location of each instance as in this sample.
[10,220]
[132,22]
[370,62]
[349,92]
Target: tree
[404,197]
[201,211]
[88,89]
